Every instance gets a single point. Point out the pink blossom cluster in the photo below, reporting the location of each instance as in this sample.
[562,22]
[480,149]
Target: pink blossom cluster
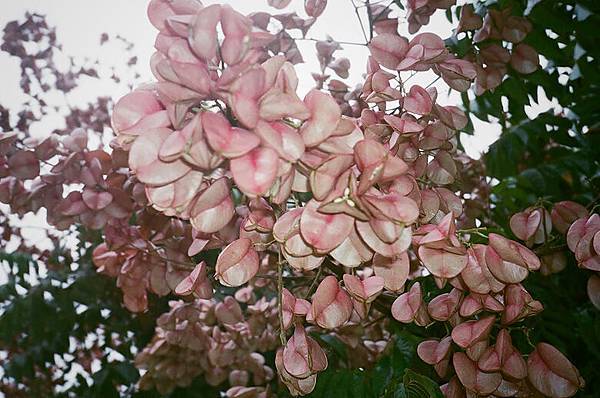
[155,264]
[327,216]
[574,223]
[499,38]
[218,340]
[224,141]
[34,174]
[419,11]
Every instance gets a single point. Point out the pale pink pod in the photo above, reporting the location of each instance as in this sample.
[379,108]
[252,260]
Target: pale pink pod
[229,311]
[430,205]
[378,245]
[442,169]
[287,225]
[323,179]
[304,263]
[475,303]
[284,139]
[394,271]
[213,208]
[417,101]
[565,213]
[302,356]
[514,252]
[551,373]
[580,228]
[473,274]
[352,252]
[388,49]
[174,198]
[260,216]
[187,69]
[503,357]
[585,251]
[446,262]
[137,109]
[518,304]
[434,351]
[228,141]
[524,224]
[174,146]
[245,93]
[295,385]
[375,163]
[203,31]
[444,306]
[324,232]
[237,263]
[429,45]
[161,11]
[468,333]
[324,117]
[256,171]
[331,305]
[236,28]
[144,161]
[504,271]
[196,283]
[472,378]
[365,290]
[276,105]
[392,206]
[457,73]
[293,306]
[406,306]
[314,8]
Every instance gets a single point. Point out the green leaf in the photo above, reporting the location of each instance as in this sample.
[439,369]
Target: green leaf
[419,386]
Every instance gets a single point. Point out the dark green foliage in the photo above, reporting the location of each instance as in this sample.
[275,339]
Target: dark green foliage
[398,374]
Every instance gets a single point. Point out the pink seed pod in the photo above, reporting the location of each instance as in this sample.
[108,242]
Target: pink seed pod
[237,263]
[331,306]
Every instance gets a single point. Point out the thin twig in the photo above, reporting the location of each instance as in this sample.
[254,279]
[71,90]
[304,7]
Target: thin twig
[282,337]
[433,82]
[350,43]
[314,283]
[370,15]
[360,21]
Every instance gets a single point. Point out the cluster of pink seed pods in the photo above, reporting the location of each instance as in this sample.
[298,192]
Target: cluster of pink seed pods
[572,222]
[218,341]
[300,196]
[499,38]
